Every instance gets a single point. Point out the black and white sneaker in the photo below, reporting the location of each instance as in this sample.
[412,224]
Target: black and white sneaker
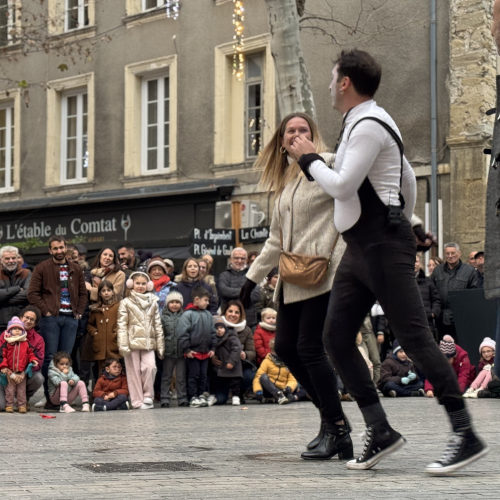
[462,449]
[380,440]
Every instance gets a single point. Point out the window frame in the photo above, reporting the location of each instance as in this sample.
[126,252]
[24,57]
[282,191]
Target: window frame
[81,116]
[229,102]
[83,5]
[10,130]
[160,124]
[134,156]
[56,91]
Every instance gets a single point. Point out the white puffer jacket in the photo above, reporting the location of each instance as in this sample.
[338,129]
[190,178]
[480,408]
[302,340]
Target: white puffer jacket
[139,324]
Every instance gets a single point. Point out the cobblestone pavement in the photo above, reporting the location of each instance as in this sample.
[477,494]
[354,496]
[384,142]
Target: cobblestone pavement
[231,452]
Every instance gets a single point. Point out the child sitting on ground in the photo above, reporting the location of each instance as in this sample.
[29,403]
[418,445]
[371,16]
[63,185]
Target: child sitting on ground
[197,340]
[62,379]
[174,358]
[485,367]
[460,362]
[17,354]
[264,332]
[227,362]
[398,377]
[274,379]
[111,389]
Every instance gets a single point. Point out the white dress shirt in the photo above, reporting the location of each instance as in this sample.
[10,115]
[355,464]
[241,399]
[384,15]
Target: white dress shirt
[368,151]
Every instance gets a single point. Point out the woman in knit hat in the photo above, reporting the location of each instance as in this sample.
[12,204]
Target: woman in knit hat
[459,360]
[157,271]
[485,367]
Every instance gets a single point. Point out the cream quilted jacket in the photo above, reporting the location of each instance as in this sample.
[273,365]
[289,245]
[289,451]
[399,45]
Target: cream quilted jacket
[139,324]
[311,232]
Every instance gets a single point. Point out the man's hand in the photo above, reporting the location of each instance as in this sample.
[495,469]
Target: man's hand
[190,354]
[302,146]
[229,366]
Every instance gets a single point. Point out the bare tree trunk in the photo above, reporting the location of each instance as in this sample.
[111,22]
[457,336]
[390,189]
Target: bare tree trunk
[293,84]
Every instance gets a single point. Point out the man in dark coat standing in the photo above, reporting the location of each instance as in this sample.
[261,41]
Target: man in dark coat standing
[14,283]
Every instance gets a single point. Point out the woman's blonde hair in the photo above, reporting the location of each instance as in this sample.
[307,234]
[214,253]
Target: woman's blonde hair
[277,172]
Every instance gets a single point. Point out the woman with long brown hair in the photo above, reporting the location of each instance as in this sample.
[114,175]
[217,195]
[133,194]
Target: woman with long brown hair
[303,220]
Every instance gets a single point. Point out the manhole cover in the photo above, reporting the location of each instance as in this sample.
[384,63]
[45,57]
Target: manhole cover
[140,467]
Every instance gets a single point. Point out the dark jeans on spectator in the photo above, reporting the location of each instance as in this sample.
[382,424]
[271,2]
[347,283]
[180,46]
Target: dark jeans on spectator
[111,404]
[222,386]
[401,389]
[59,334]
[197,379]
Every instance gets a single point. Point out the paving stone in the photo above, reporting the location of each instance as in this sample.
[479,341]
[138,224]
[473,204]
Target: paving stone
[235,452]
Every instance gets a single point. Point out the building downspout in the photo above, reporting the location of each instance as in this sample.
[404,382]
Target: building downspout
[433,82]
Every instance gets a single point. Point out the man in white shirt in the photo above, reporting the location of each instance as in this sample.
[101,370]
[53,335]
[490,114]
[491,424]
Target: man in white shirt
[374,189]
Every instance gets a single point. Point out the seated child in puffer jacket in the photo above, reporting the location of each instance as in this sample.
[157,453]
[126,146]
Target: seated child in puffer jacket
[111,389]
[398,377]
[65,385]
[485,368]
[275,379]
[264,332]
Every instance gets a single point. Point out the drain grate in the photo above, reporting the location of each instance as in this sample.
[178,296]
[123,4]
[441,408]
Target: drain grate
[118,467]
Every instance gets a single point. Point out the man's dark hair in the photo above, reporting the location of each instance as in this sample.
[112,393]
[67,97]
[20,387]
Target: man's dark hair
[362,69]
[56,238]
[126,245]
[199,291]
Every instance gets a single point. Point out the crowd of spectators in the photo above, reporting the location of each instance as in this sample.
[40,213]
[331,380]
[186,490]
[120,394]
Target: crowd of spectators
[125,331]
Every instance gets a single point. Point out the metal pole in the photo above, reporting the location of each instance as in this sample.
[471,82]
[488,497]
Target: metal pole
[433,59]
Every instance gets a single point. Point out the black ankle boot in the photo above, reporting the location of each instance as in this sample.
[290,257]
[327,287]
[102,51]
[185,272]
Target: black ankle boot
[335,441]
[321,434]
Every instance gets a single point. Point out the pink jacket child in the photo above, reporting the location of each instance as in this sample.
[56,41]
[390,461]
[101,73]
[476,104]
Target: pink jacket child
[487,352]
[17,354]
[459,360]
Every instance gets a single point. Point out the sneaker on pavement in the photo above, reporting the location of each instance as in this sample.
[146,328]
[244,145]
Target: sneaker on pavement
[462,449]
[85,407]
[146,406]
[392,394]
[148,401]
[66,408]
[123,406]
[22,409]
[40,404]
[195,402]
[211,400]
[380,440]
[203,400]
[281,398]
[235,401]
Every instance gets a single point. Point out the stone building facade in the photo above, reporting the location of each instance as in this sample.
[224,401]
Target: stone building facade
[129,125]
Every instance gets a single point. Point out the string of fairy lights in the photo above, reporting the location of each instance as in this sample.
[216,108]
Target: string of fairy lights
[238,55]
[172,8]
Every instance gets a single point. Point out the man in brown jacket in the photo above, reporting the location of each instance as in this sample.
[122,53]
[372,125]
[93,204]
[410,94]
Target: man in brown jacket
[57,288]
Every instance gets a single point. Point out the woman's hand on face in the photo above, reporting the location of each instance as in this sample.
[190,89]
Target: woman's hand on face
[301,146]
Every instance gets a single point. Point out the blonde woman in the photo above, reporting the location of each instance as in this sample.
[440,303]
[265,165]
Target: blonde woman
[303,213]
